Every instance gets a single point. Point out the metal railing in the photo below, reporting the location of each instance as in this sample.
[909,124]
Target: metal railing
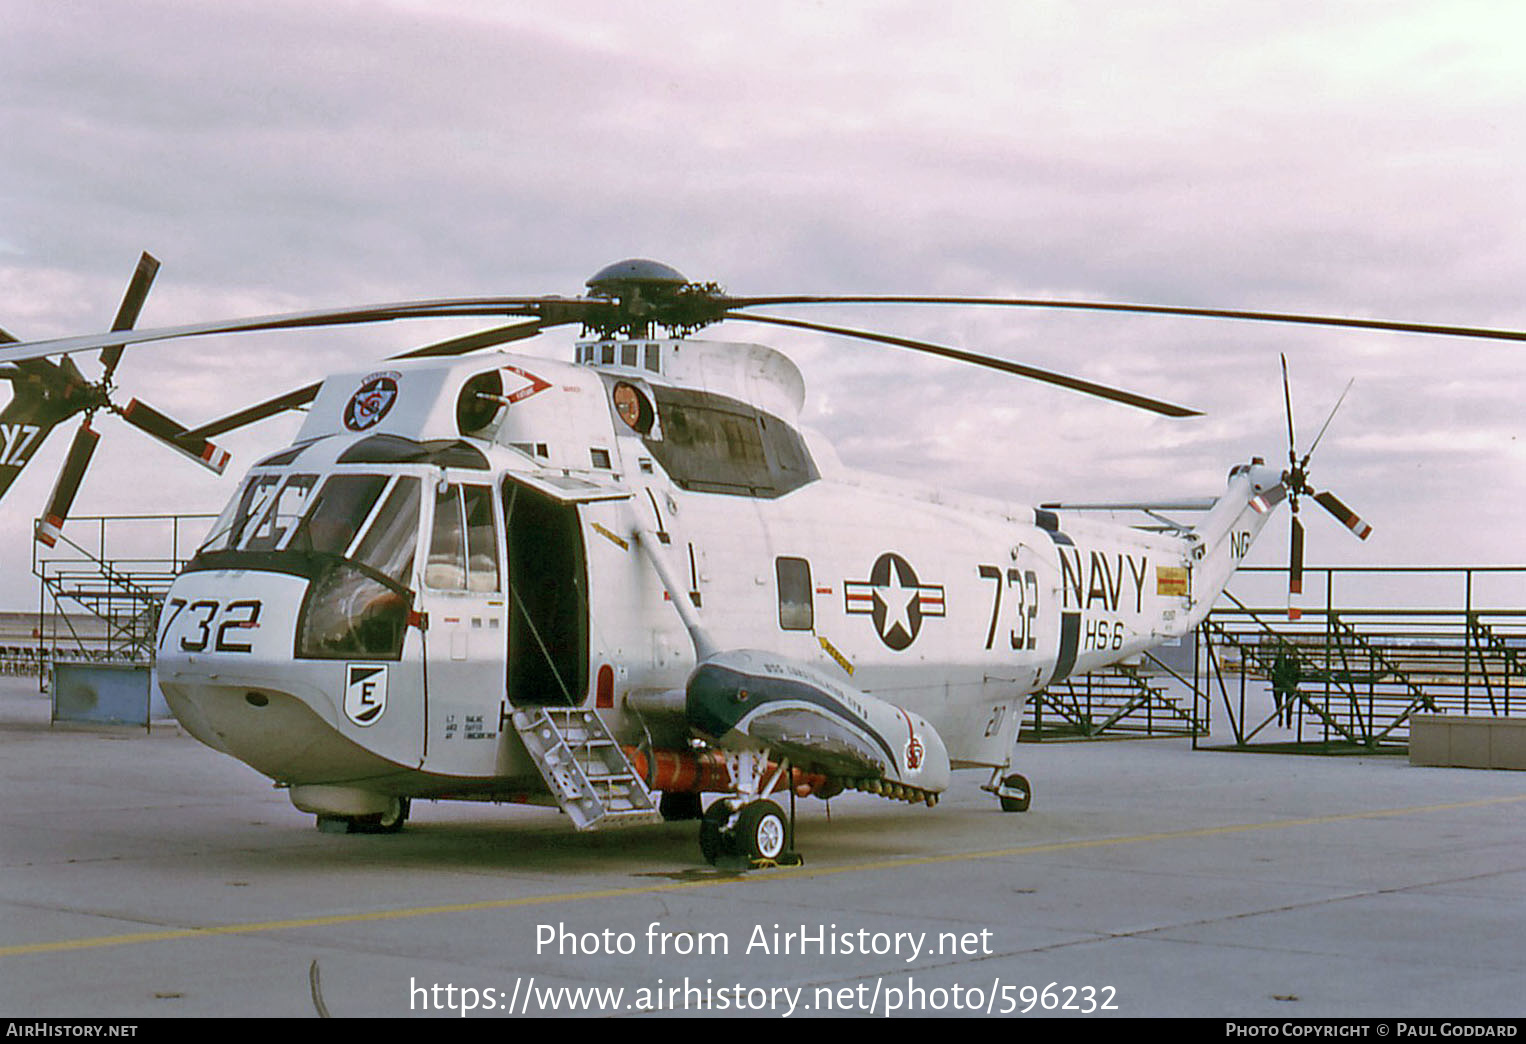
[103,582]
[1379,644]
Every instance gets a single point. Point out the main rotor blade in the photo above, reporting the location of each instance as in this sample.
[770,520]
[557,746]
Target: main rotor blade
[481,339]
[269,408]
[51,526]
[1348,518]
[1047,376]
[550,310]
[174,435]
[1347,322]
[302,396]
[132,304]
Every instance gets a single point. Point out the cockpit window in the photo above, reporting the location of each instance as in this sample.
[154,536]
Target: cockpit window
[337,512]
[275,512]
[389,543]
[249,511]
[275,523]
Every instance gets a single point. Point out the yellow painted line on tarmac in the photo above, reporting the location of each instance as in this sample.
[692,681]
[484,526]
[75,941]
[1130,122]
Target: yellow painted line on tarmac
[256,927]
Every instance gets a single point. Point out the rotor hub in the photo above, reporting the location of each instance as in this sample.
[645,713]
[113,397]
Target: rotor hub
[643,293]
[635,275]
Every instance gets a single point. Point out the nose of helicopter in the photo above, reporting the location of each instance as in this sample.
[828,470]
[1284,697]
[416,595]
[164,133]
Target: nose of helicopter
[228,671]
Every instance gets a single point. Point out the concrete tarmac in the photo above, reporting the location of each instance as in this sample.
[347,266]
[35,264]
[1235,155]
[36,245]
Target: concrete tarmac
[150,876]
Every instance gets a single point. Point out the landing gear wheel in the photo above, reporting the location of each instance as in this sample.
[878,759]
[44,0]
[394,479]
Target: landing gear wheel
[1015,793]
[388,822]
[680,805]
[392,820]
[762,831]
[715,842]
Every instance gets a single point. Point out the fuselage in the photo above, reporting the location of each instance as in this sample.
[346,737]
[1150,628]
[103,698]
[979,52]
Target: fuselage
[448,540]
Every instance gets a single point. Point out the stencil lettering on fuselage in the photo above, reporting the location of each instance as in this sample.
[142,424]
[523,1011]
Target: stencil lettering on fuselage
[1105,582]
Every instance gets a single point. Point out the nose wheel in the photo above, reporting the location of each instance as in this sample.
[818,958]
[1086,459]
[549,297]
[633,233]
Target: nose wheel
[388,822]
[751,834]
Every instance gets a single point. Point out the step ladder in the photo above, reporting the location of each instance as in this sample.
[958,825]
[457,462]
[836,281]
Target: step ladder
[588,773]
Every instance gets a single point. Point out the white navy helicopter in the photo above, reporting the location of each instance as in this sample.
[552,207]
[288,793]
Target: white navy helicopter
[617,583]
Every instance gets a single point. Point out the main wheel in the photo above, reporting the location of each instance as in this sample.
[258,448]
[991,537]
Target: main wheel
[1016,794]
[762,831]
[714,840]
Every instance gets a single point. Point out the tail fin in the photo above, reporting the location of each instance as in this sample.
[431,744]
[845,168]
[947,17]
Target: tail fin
[1224,537]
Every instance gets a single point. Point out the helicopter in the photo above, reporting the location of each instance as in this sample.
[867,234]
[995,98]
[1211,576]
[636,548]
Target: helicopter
[617,583]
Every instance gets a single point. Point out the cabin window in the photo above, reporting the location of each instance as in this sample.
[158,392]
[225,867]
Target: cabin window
[713,444]
[463,546]
[796,610]
[446,567]
[481,539]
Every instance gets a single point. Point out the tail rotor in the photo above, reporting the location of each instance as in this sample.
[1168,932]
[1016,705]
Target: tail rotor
[1295,484]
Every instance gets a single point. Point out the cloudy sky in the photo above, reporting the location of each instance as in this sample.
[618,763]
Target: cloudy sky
[1358,158]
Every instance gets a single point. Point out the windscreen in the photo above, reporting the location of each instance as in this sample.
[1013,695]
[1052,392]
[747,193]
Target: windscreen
[280,511]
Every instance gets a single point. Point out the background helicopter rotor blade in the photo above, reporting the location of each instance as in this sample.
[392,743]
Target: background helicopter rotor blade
[132,304]
[302,396]
[1047,376]
[174,435]
[1348,518]
[67,485]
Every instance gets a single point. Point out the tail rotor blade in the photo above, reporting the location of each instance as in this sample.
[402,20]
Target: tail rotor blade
[174,435]
[80,450]
[1266,500]
[1287,402]
[1348,518]
[1295,571]
[1310,452]
[132,304]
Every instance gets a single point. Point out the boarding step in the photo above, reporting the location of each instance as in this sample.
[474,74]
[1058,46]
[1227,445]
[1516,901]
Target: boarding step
[585,768]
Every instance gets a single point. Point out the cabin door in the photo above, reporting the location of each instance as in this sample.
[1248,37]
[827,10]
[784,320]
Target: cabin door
[548,600]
